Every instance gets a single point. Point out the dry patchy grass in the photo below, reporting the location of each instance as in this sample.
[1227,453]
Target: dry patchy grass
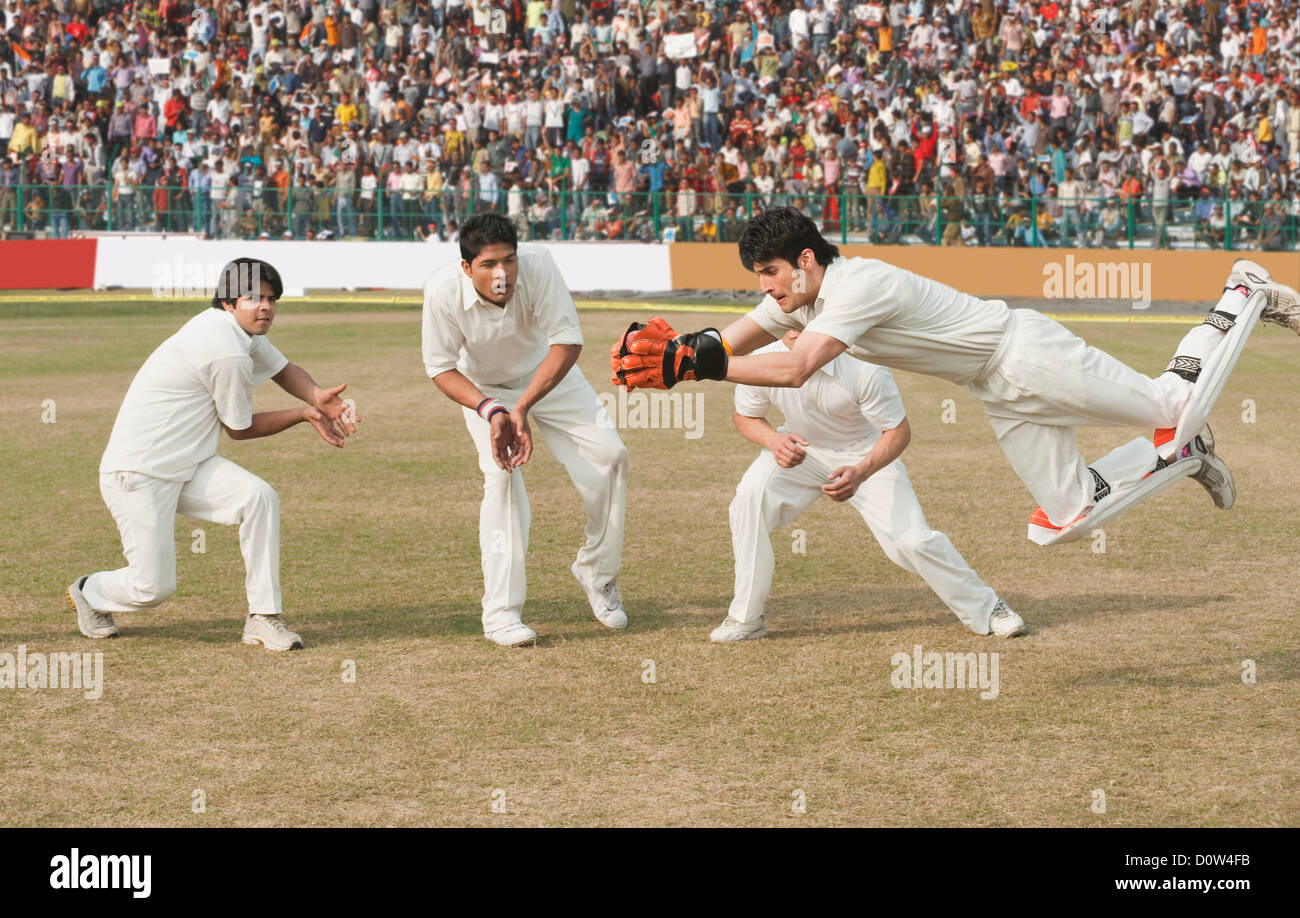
[1129,682]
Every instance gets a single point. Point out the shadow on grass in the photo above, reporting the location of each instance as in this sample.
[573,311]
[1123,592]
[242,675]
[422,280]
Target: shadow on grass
[1042,614]
[1207,672]
[789,617]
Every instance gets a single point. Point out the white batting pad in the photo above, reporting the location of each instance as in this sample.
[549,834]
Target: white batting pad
[1118,502]
[1214,374]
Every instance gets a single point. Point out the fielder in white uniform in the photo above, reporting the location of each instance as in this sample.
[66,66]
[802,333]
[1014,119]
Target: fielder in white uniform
[162,456]
[501,339]
[1036,379]
[844,431]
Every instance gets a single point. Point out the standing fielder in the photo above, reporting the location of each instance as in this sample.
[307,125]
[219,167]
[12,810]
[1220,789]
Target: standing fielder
[162,456]
[1036,379]
[501,339]
[845,429]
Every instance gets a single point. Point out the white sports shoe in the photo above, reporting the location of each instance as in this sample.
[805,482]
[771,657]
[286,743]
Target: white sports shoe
[1214,475]
[271,632]
[1005,623]
[1282,303]
[1281,307]
[606,604]
[515,635]
[732,630]
[93,624]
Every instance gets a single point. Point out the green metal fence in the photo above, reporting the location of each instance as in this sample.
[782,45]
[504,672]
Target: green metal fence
[668,215]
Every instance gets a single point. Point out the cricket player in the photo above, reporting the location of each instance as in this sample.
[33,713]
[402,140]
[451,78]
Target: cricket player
[844,431]
[501,339]
[162,456]
[1036,379]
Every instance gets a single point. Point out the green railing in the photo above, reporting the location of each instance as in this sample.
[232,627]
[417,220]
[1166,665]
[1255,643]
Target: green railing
[667,215]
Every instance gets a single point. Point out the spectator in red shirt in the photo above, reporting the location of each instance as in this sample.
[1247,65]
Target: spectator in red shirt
[174,112]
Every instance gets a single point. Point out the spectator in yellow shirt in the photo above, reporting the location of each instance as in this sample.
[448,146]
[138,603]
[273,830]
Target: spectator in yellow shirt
[346,112]
[1264,130]
[453,141]
[25,139]
[876,175]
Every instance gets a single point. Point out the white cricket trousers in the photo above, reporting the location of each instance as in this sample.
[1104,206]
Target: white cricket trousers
[770,496]
[145,509]
[1045,381]
[577,429]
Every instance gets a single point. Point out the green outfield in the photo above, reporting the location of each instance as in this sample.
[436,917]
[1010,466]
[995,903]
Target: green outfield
[1124,706]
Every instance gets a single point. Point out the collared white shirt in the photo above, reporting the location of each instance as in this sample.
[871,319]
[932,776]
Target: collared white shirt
[198,379]
[892,317]
[843,406]
[492,345]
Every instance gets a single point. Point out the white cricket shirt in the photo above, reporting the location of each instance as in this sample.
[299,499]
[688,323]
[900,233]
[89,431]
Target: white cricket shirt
[892,317]
[843,406]
[198,379]
[494,345]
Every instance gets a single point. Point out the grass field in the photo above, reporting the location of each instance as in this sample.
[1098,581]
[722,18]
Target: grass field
[1130,682]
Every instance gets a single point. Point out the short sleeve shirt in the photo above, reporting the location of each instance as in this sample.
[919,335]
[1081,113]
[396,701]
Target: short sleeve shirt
[843,406]
[198,379]
[892,317]
[492,345]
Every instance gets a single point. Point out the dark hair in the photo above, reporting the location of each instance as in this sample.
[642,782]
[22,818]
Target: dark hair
[243,277]
[483,230]
[783,232]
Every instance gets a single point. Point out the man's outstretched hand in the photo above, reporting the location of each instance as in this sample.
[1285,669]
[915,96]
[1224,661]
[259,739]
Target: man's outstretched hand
[324,426]
[657,357]
[340,414]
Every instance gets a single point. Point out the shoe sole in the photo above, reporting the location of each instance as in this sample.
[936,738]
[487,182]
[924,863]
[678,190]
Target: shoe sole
[258,642]
[526,642]
[1211,480]
[1248,267]
[1019,631]
[72,604]
[749,637]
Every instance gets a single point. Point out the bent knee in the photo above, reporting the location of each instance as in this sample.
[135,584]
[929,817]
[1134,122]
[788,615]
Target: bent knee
[152,590]
[610,455]
[915,541]
[262,496]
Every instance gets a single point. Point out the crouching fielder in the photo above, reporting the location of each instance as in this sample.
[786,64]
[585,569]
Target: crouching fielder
[845,429]
[162,456]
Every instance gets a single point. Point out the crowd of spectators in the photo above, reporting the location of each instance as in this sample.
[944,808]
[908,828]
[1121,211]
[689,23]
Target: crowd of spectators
[968,121]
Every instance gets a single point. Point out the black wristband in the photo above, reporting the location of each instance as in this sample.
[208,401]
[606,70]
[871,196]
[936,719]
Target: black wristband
[710,355]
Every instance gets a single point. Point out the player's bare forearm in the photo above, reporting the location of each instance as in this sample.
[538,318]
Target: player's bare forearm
[559,360]
[459,389]
[297,382]
[789,369]
[756,430]
[268,423]
[888,448]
